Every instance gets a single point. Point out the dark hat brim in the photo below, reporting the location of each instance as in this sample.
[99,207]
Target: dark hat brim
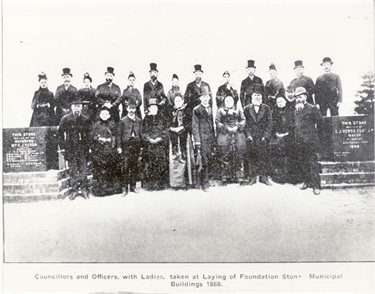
[79,102]
[331,62]
[67,74]
[198,70]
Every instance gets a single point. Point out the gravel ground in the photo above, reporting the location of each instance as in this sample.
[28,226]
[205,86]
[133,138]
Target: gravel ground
[256,223]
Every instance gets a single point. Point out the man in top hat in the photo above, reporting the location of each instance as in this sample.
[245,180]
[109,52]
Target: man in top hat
[87,92]
[174,91]
[204,135]
[258,131]
[303,81]
[108,95]
[227,89]
[328,91]
[247,84]
[307,121]
[274,87]
[154,89]
[129,144]
[194,90]
[131,95]
[65,94]
[73,137]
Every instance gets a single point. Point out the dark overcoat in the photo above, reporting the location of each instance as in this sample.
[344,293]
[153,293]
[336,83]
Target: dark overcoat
[106,93]
[192,94]
[203,129]
[153,91]
[247,89]
[63,99]
[308,84]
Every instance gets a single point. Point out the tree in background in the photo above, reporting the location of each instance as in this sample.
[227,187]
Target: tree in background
[365,102]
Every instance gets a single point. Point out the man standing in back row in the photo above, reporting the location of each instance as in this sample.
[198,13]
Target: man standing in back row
[247,84]
[328,91]
[153,89]
[303,81]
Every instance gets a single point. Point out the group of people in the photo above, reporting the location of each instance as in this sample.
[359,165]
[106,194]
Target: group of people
[262,131]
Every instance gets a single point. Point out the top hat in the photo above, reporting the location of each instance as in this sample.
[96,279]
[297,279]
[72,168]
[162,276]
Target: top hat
[299,91]
[205,90]
[42,76]
[175,77]
[131,75]
[272,66]
[226,73]
[258,88]
[110,70]
[66,71]
[153,66]
[298,63]
[87,76]
[326,59]
[197,67]
[251,63]
[153,101]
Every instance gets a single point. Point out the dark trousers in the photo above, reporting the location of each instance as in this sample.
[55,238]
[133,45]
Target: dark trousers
[333,109]
[310,166]
[78,171]
[130,159]
[257,154]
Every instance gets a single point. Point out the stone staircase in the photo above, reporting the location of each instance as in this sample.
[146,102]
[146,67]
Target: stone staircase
[31,186]
[347,174]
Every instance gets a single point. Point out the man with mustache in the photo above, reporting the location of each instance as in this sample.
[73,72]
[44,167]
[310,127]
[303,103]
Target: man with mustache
[154,89]
[303,81]
[65,94]
[307,121]
[109,95]
[247,84]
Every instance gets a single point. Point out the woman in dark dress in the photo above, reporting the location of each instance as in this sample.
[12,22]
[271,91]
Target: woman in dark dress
[87,94]
[131,95]
[42,105]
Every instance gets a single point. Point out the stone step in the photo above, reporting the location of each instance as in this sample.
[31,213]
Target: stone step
[348,178]
[36,197]
[35,188]
[358,166]
[345,185]
[34,177]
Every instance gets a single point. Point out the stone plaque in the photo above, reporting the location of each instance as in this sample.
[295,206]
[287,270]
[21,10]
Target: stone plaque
[24,149]
[352,138]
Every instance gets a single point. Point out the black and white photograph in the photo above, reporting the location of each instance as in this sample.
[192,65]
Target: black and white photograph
[225,135]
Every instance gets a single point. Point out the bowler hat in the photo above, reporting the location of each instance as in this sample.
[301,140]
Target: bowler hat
[78,99]
[153,66]
[175,77]
[110,70]
[66,71]
[272,66]
[87,76]
[251,63]
[197,67]
[153,101]
[205,90]
[327,59]
[42,76]
[299,91]
[298,63]
[258,88]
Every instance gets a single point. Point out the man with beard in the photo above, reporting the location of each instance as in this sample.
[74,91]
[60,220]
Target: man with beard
[328,90]
[129,144]
[307,120]
[154,89]
[73,136]
[226,89]
[108,94]
[42,105]
[194,90]
[88,94]
[247,84]
[65,94]
[303,81]
[274,87]
[258,130]
[131,95]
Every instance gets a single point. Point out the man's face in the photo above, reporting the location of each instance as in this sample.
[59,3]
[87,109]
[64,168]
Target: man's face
[108,77]
[178,101]
[175,82]
[205,100]
[131,110]
[154,75]
[327,67]
[43,83]
[66,79]
[198,75]
[229,102]
[87,83]
[226,78]
[76,109]
[289,95]
[250,71]
[299,71]
[301,98]
[131,81]
[280,102]
[273,74]
[153,109]
[256,98]
[104,115]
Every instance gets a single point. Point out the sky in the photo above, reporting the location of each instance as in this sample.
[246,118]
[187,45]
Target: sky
[89,36]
